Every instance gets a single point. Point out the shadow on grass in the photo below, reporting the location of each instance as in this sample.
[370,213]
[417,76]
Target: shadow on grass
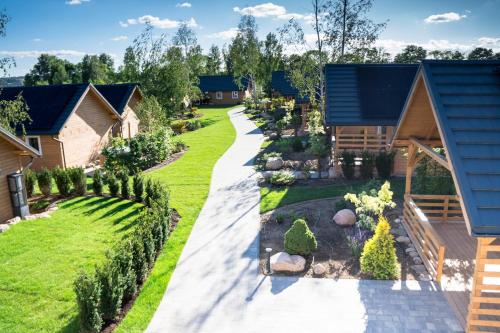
[123,205]
[99,204]
[72,326]
[129,225]
[71,203]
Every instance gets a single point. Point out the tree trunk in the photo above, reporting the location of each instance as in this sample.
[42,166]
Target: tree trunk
[343,29]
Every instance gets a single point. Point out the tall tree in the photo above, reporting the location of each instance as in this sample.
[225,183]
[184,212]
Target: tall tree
[370,55]
[129,71]
[213,61]
[271,60]
[481,53]
[446,55]
[185,37]
[97,69]
[411,54]
[244,53]
[50,69]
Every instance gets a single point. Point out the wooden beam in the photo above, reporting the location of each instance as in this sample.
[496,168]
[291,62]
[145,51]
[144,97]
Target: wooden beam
[412,151]
[405,143]
[428,150]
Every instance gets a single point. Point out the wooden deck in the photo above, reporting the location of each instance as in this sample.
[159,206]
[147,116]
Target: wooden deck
[458,268]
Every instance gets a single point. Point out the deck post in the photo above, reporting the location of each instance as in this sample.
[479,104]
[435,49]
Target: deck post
[409,167]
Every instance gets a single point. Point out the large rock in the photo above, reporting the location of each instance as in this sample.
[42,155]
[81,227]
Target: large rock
[319,269]
[345,217]
[403,239]
[274,163]
[283,262]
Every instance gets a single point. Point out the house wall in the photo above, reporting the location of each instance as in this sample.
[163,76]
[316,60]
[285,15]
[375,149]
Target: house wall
[227,98]
[130,122]
[86,131]
[52,155]
[9,163]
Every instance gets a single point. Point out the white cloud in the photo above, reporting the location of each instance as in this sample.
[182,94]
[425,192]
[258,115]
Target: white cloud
[37,40]
[37,53]
[76,2]
[226,34]
[157,22]
[119,38]
[444,18]
[184,5]
[489,42]
[263,10]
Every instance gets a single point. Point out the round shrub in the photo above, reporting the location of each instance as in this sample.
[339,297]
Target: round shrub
[299,239]
[379,258]
[29,181]
[88,296]
[97,182]
[63,182]
[282,178]
[44,178]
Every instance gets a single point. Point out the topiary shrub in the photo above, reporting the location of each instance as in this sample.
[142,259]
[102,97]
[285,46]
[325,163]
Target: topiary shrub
[29,181]
[97,182]
[113,185]
[299,239]
[125,188]
[282,178]
[88,297]
[367,164]
[385,164]
[140,263]
[44,179]
[379,258]
[78,179]
[347,162]
[138,187]
[63,182]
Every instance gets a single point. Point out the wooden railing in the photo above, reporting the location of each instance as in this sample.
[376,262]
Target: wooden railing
[368,141]
[439,208]
[423,236]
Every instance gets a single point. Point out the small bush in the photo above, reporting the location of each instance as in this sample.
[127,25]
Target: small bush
[299,239]
[123,257]
[29,181]
[179,126]
[367,164]
[193,124]
[379,258]
[78,179]
[178,146]
[138,187]
[44,179]
[97,182]
[347,162]
[112,289]
[62,180]
[113,185]
[88,297]
[297,144]
[385,164]
[282,178]
[125,188]
[140,263]
[284,145]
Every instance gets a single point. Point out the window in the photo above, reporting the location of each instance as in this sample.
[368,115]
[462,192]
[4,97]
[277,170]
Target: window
[34,141]
[235,95]
[218,95]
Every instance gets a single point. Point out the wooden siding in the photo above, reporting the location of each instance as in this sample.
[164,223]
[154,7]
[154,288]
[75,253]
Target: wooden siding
[52,155]
[227,98]
[9,163]
[86,132]
[130,121]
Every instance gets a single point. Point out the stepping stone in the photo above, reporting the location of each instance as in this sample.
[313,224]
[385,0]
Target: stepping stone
[410,249]
[403,239]
[424,277]
[4,228]
[413,254]
[417,261]
[398,232]
[398,220]
[319,269]
[419,268]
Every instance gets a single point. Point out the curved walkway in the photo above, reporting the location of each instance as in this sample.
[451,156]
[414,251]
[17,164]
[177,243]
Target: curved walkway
[216,286]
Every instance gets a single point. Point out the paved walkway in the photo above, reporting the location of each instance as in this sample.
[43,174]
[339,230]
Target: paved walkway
[217,287]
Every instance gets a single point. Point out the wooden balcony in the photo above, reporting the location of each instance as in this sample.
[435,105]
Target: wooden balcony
[360,141]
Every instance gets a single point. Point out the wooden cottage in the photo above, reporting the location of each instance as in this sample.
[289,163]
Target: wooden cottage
[70,124]
[363,105]
[15,156]
[455,105]
[222,90]
[124,98]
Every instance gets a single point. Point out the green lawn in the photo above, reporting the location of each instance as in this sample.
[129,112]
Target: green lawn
[189,180]
[274,197]
[39,261]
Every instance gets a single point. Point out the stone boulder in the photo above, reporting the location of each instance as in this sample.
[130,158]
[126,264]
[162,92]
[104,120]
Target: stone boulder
[4,228]
[345,217]
[403,239]
[274,163]
[319,269]
[284,262]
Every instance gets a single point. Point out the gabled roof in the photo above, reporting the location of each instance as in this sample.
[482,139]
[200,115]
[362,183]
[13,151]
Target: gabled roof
[50,106]
[465,103]
[281,84]
[24,148]
[211,83]
[118,95]
[366,94]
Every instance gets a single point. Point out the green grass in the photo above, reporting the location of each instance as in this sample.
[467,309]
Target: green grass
[40,259]
[275,197]
[189,181]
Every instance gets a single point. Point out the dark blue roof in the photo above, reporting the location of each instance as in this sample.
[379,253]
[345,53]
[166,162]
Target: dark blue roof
[366,94]
[49,106]
[466,98]
[281,84]
[117,94]
[211,83]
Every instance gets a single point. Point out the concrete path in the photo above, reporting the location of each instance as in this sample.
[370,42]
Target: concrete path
[217,286]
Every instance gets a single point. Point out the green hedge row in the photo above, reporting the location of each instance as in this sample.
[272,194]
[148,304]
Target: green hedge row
[102,294]
[68,181]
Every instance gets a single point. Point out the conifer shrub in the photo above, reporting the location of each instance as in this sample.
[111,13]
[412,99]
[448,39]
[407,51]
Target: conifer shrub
[79,180]
[299,239]
[112,289]
[385,164]
[29,181]
[367,164]
[347,162]
[138,187]
[140,263]
[44,179]
[125,188]
[97,182]
[62,180]
[379,258]
[88,297]
[113,185]
[123,257]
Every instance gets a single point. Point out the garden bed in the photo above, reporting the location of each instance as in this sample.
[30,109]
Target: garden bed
[333,249]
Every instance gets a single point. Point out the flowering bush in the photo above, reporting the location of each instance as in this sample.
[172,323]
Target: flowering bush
[371,204]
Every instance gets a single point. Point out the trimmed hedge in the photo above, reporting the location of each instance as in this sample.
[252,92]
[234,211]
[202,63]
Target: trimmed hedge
[97,182]
[30,181]
[63,181]
[44,179]
[299,239]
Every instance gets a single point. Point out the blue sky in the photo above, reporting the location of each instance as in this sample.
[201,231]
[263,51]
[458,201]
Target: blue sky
[71,28]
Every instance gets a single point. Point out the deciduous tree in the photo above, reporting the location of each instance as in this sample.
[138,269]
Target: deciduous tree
[411,54]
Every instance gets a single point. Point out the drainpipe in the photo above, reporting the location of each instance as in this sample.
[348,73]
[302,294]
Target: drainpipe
[62,149]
